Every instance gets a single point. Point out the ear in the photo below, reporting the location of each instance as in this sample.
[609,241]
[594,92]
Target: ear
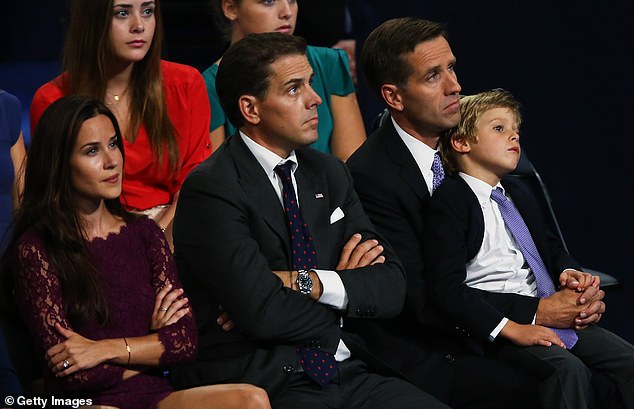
[249,109]
[460,144]
[229,9]
[391,96]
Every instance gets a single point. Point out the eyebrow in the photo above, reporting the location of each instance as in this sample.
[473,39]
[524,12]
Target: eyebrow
[298,81]
[95,143]
[129,6]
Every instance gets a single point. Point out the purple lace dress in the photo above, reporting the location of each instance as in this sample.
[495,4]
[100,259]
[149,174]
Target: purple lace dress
[136,263]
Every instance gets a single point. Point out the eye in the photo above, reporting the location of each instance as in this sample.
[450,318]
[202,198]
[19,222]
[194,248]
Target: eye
[498,128]
[121,13]
[293,90]
[451,67]
[268,2]
[148,11]
[432,76]
[91,151]
[113,144]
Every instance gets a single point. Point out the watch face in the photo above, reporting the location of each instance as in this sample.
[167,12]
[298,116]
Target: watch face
[304,282]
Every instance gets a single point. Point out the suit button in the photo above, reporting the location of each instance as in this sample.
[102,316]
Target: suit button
[450,358]
[289,369]
[359,312]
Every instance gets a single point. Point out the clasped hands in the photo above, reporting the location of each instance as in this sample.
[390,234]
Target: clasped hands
[578,304]
[354,254]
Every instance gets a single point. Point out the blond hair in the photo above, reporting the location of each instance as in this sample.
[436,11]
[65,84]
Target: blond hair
[472,107]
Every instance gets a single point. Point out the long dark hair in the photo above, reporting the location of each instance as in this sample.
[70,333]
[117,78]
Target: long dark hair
[88,54]
[49,208]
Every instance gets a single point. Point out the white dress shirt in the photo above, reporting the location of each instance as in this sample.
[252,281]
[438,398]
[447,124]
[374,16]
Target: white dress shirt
[422,153]
[333,291]
[499,266]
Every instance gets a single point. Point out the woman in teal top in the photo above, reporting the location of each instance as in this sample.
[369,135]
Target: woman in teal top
[341,129]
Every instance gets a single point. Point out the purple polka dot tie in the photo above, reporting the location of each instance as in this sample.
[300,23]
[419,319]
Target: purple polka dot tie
[318,364]
[438,171]
[545,287]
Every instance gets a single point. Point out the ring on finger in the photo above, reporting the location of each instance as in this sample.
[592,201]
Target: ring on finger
[163,309]
[65,364]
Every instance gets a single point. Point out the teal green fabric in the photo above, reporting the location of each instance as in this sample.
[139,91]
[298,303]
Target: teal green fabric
[332,77]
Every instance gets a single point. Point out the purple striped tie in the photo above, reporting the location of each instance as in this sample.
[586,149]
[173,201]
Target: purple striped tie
[545,287]
[438,170]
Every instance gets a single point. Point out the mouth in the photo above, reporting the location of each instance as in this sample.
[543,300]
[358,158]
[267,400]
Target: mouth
[314,121]
[453,106]
[114,179]
[136,43]
[286,29]
[515,149]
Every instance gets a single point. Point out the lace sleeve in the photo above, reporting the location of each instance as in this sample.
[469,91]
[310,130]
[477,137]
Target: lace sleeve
[180,339]
[39,298]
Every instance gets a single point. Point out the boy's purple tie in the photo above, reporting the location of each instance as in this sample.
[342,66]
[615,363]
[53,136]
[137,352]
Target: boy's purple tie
[438,170]
[545,287]
[320,365]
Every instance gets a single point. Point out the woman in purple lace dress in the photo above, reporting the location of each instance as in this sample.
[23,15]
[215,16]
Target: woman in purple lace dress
[97,286]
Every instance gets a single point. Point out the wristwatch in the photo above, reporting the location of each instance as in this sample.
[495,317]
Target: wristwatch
[304,282]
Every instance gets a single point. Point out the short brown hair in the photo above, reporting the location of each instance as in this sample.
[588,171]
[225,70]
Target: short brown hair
[383,55]
[472,107]
[246,67]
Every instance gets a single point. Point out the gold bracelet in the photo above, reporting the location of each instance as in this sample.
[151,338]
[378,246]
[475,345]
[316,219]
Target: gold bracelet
[127,347]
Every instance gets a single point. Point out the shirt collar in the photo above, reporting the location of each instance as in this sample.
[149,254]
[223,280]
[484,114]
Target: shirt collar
[423,154]
[267,159]
[481,188]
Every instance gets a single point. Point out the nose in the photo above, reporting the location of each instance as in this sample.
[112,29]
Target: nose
[313,99]
[136,24]
[112,158]
[286,10]
[452,85]
[516,135]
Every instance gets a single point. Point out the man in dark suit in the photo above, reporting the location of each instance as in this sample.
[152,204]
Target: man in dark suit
[273,232]
[409,64]
[478,238]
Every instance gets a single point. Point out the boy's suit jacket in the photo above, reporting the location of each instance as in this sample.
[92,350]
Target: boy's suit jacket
[230,232]
[454,236]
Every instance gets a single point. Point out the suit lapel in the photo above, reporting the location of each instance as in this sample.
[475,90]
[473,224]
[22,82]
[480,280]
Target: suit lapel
[258,189]
[314,204]
[402,158]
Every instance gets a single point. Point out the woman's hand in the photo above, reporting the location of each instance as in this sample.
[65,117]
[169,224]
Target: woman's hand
[168,307]
[75,354]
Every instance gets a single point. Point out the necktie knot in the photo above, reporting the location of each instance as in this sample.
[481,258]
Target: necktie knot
[283,170]
[438,171]
[498,196]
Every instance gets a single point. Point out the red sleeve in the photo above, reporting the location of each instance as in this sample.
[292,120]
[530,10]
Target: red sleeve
[44,96]
[39,296]
[195,146]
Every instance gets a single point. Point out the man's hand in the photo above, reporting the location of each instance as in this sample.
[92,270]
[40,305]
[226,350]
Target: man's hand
[356,254]
[224,320]
[565,309]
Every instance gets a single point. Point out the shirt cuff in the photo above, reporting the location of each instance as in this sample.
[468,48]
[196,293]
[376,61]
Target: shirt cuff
[498,329]
[334,293]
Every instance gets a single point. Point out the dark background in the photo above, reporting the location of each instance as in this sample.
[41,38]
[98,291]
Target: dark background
[569,64]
